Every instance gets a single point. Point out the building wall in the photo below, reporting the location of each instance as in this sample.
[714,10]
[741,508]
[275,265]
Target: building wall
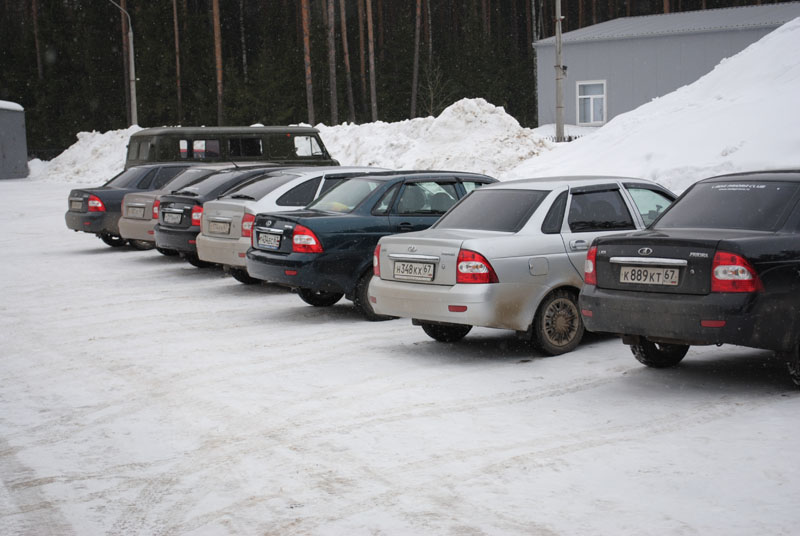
[13,145]
[636,70]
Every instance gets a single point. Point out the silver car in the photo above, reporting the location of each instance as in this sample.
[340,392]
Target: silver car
[227,223]
[510,255]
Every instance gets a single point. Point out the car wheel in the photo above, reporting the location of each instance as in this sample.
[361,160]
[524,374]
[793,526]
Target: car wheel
[142,245]
[361,299]
[557,327]
[167,252]
[242,276]
[659,355]
[195,261]
[113,240]
[446,333]
[319,298]
[793,364]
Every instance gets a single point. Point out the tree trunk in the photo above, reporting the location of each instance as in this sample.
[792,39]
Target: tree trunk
[430,31]
[351,109]
[242,37]
[415,72]
[381,47]
[306,16]
[331,20]
[371,48]
[363,56]
[177,60]
[218,60]
[35,12]
[126,60]
[666,6]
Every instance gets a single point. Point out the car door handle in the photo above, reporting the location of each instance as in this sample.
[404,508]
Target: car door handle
[578,245]
[405,226]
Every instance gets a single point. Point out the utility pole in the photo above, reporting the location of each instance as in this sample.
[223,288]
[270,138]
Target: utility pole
[561,72]
[132,68]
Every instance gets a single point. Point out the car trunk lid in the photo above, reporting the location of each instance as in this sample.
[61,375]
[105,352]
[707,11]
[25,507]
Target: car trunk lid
[176,211]
[138,206]
[223,218]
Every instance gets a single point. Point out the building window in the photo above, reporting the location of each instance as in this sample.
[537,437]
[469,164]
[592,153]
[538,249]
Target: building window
[592,102]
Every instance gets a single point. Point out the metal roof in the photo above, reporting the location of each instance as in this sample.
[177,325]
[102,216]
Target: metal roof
[686,22]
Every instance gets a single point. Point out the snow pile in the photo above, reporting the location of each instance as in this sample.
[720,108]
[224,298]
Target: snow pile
[742,116]
[469,135]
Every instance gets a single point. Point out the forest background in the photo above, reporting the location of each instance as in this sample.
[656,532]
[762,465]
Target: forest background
[239,62]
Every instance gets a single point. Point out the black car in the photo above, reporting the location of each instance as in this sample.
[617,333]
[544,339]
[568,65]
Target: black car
[720,266]
[180,213]
[325,251]
[97,210]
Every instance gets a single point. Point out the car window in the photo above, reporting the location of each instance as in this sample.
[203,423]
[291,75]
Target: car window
[649,203]
[598,211]
[555,216]
[472,185]
[427,198]
[133,150]
[752,205]
[346,196]
[165,174]
[493,209]
[127,178]
[245,147]
[300,195]
[145,182]
[306,146]
[330,183]
[187,177]
[386,201]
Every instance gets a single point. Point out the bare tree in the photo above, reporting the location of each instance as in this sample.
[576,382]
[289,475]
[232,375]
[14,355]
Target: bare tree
[415,72]
[242,37]
[331,21]
[306,16]
[218,59]
[363,55]
[177,59]
[351,110]
[126,60]
[371,46]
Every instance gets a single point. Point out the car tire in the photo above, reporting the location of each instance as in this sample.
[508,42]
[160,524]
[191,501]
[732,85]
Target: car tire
[113,240]
[557,326]
[195,261]
[319,298]
[167,252]
[243,277]
[141,245]
[657,355]
[361,300]
[446,333]
[793,364]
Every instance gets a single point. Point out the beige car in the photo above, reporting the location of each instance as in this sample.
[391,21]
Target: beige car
[227,223]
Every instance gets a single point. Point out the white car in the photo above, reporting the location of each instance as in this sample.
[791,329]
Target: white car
[227,223]
[509,255]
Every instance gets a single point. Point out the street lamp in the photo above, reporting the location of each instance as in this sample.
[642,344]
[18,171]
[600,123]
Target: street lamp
[131,67]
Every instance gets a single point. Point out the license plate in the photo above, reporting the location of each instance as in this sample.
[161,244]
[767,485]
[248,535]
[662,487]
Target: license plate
[269,241]
[649,276]
[136,212]
[75,205]
[219,227]
[414,271]
[172,217]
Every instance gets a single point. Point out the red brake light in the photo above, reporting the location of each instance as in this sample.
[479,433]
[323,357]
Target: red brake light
[247,225]
[305,241]
[473,267]
[732,273]
[95,205]
[589,267]
[376,261]
[197,214]
[156,204]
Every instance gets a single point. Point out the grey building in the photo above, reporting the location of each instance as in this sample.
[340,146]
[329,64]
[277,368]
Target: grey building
[618,65]
[13,143]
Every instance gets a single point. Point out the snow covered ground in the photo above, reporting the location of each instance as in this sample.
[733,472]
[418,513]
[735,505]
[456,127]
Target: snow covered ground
[140,395]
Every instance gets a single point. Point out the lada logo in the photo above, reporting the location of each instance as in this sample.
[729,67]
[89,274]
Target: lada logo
[412,249]
[645,251]
[268,223]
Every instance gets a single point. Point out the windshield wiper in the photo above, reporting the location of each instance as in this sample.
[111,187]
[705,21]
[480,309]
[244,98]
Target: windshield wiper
[243,196]
[186,192]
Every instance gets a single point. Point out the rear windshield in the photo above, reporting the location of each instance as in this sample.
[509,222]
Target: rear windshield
[128,178]
[493,210]
[188,177]
[346,196]
[759,206]
[215,181]
[259,187]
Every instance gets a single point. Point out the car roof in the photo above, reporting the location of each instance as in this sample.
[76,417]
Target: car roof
[393,174]
[780,175]
[316,170]
[550,183]
[202,131]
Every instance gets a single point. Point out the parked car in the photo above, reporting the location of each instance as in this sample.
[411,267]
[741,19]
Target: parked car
[140,208]
[721,266]
[227,223]
[97,210]
[180,213]
[509,256]
[325,251]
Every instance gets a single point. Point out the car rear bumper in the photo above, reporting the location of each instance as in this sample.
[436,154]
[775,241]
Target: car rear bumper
[716,318]
[182,240]
[300,270]
[226,251]
[497,305]
[135,229]
[89,222]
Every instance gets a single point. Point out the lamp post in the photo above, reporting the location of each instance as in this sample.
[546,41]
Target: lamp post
[131,67]
[560,73]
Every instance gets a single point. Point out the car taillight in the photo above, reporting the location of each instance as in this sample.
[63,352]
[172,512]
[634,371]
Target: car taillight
[197,214]
[376,261]
[732,273]
[590,267]
[305,241]
[473,267]
[247,225]
[95,205]
[156,204]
